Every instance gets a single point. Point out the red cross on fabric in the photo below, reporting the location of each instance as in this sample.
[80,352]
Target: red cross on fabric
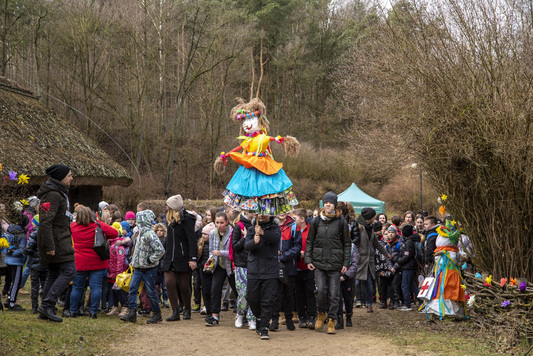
[425,287]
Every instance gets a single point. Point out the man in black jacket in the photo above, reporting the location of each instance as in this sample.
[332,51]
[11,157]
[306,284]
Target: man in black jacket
[54,239]
[430,226]
[328,252]
[262,240]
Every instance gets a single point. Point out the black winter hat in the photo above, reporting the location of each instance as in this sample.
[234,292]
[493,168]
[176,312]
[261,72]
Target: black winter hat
[331,197]
[407,230]
[57,171]
[368,213]
[376,226]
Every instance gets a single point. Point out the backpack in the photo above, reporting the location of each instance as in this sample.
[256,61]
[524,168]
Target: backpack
[419,255]
[316,222]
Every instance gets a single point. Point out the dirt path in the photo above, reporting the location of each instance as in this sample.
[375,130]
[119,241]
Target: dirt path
[193,338]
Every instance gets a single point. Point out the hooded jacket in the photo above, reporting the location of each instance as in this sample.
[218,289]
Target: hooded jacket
[290,246]
[263,260]
[54,223]
[148,248]
[328,248]
[240,255]
[407,260]
[17,243]
[367,244]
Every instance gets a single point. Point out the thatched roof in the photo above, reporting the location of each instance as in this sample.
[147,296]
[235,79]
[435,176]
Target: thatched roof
[32,138]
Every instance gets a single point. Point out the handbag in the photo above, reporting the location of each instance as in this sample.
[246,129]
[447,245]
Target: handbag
[123,280]
[101,246]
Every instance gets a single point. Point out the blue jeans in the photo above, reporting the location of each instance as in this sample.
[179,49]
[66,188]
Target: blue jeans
[408,286]
[148,277]
[95,284]
[369,288]
[25,274]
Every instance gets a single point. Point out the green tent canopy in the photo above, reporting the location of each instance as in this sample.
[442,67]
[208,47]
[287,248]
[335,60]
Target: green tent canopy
[360,200]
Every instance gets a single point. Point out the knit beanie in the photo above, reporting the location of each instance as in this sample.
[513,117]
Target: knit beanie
[36,220]
[330,197]
[102,205]
[129,215]
[368,213]
[175,202]
[407,230]
[376,226]
[57,171]
[208,228]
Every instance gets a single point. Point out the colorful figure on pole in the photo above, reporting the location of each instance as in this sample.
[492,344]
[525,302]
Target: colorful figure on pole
[260,184]
[446,295]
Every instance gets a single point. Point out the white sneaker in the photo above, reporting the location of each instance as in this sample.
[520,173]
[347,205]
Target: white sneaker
[204,311]
[238,321]
[251,324]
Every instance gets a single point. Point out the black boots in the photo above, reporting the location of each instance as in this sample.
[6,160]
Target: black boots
[155,318]
[349,320]
[131,316]
[175,315]
[340,322]
[48,313]
[187,313]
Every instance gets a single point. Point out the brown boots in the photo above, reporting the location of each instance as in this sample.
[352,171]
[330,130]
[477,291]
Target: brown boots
[331,326]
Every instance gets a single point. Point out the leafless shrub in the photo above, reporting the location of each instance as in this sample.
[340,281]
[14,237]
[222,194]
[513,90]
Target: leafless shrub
[454,81]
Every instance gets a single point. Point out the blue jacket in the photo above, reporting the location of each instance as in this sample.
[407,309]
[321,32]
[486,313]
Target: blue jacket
[17,242]
[290,246]
[394,250]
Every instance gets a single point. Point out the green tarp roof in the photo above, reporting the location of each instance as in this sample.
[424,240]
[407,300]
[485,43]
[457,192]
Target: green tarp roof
[360,200]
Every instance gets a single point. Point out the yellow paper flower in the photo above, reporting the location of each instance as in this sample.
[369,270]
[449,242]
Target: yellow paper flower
[23,179]
[444,197]
[25,202]
[489,279]
[463,286]
[0,167]
[512,282]
[4,243]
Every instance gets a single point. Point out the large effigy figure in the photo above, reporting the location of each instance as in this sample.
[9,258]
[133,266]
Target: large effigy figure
[259,184]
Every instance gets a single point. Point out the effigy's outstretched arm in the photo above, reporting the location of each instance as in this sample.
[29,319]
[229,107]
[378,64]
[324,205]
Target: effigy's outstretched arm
[289,143]
[221,163]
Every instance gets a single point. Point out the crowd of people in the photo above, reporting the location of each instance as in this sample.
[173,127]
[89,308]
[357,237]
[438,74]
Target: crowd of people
[311,268]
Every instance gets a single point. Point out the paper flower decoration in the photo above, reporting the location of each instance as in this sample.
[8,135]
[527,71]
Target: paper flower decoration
[512,282]
[464,266]
[23,179]
[506,303]
[444,197]
[522,287]
[12,175]
[478,275]
[25,202]
[471,301]
[45,206]
[503,281]
[488,281]
[18,206]
[467,296]
[4,243]
[463,286]
[442,210]
[6,179]
[0,167]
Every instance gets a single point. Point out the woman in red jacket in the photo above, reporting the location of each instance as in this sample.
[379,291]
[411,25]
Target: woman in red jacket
[88,264]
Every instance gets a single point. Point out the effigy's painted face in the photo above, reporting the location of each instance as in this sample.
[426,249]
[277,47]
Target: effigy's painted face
[251,125]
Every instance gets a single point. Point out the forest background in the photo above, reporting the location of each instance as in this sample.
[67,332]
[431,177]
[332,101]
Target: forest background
[438,91]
